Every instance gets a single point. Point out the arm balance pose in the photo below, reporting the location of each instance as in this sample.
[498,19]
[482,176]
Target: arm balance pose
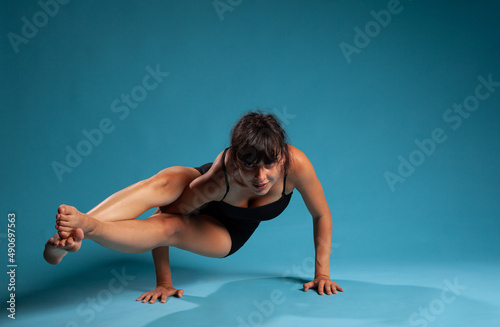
[210,210]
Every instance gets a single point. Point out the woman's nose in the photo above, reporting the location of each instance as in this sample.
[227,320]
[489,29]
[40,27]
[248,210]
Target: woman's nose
[260,176]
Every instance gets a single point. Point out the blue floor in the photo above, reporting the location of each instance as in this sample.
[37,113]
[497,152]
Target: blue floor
[376,294]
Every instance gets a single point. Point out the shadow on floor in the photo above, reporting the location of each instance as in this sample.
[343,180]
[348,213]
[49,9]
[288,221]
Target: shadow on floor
[262,301]
[119,277]
[254,300]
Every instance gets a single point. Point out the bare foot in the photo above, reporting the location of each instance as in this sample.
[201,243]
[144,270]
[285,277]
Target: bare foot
[56,248]
[69,219]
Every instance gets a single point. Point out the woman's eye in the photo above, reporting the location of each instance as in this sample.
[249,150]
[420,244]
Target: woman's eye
[269,164]
[249,164]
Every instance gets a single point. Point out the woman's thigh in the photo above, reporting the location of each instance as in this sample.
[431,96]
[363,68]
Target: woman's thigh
[159,190]
[174,180]
[200,234]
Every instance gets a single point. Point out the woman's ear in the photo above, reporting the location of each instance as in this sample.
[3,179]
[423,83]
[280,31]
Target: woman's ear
[282,161]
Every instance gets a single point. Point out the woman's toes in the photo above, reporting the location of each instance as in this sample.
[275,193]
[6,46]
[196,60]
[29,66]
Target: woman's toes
[65,210]
[68,210]
[79,235]
[64,234]
[61,208]
[64,217]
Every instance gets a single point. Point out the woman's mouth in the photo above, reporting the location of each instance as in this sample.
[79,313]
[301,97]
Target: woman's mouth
[260,187]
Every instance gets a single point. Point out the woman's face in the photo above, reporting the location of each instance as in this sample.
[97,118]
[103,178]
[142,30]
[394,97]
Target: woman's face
[259,177]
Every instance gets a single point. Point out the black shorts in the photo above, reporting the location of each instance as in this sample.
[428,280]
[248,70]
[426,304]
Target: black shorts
[239,230]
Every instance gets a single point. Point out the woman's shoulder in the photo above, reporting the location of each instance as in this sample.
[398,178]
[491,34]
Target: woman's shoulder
[299,165]
[297,158]
[217,165]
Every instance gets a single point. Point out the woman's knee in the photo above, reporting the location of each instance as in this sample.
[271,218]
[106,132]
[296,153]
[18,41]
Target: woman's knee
[171,225]
[175,177]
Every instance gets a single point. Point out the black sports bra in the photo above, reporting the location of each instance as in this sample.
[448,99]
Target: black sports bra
[253,214]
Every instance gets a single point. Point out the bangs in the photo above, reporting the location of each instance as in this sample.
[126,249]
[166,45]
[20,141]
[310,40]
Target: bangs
[260,148]
[259,137]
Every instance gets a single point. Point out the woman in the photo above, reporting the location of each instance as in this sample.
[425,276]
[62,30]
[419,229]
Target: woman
[210,210]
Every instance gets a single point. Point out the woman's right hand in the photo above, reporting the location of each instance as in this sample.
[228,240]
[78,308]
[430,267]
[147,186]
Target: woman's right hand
[161,292]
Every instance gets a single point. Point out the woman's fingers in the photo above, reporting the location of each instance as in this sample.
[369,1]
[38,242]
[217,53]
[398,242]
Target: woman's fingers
[155,297]
[333,288]
[329,289]
[323,286]
[161,294]
[307,286]
[145,297]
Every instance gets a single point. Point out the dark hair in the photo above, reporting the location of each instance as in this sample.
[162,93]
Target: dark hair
[259,136]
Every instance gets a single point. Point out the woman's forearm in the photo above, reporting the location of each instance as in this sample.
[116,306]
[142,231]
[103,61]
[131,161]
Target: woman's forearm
[162,266]
[199,192]
[323,244]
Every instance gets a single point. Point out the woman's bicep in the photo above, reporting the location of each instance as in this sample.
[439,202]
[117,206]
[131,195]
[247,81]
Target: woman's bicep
[200,191]
[208,186]
[309,186]
[203,189]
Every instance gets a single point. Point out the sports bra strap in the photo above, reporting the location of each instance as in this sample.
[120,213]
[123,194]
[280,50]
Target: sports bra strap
[284,184]
[225,172]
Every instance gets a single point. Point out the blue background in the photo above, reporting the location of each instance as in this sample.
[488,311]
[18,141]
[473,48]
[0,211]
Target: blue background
[353,119]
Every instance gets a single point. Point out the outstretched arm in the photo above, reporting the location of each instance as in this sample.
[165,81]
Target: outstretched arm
[309,186]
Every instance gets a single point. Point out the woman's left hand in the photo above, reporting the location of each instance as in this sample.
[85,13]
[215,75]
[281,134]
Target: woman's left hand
[323,284]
